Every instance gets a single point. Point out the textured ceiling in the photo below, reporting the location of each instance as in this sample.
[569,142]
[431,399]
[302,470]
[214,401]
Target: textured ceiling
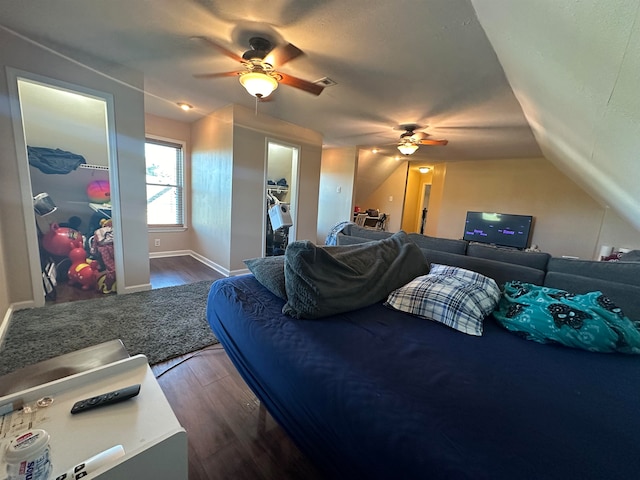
[426,62]
[498,79]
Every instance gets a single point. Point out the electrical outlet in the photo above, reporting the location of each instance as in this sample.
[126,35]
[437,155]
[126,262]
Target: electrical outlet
[157,242]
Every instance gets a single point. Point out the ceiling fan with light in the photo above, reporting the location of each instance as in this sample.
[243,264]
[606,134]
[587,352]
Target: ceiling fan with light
[259,76]
[410,141]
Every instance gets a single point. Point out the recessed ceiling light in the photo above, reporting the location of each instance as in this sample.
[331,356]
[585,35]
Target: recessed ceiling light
[184,106]
[423,169]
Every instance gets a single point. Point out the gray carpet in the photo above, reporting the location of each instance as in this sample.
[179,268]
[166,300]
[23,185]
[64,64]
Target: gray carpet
[160,324]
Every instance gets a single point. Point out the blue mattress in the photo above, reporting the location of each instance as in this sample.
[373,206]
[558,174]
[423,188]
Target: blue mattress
[375,393]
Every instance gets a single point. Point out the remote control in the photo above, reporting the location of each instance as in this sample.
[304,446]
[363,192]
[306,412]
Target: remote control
[106,399]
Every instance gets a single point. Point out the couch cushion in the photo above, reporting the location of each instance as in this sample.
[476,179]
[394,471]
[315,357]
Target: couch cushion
[501,272]
[623,272]
[442,244]
[538,260]
[632,256]
[356,231]
[627,297]
[351,240]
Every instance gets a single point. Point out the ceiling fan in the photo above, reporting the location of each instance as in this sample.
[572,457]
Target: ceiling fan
[259,76]
[410,141]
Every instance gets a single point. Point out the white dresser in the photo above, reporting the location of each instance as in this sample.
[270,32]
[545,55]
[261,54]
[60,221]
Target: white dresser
[155,444]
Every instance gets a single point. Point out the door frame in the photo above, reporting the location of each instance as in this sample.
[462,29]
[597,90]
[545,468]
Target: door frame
[33,250]
[422,205]
[293,188]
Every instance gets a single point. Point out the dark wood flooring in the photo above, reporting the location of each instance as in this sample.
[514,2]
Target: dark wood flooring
[230,436]
[165,272]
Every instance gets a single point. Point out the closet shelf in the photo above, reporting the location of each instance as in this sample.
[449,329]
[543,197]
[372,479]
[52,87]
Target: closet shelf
[277,188]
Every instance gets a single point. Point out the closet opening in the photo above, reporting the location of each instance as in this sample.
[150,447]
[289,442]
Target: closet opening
[281,186]
[68,178]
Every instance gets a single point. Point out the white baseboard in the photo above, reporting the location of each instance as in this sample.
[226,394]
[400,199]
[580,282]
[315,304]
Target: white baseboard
[4,326]
[171,253]
[134,288]
[6,320]
[202,259]
[210,263]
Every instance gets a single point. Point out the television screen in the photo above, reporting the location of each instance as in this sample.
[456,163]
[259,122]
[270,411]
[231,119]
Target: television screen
[498,229]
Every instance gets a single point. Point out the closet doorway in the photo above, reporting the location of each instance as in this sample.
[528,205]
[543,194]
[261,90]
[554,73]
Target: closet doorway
[281,181]
[67,179]
[424,207]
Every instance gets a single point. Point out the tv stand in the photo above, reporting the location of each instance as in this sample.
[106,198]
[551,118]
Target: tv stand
[499,247]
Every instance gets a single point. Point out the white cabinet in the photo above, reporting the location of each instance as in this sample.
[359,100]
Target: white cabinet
[155,444]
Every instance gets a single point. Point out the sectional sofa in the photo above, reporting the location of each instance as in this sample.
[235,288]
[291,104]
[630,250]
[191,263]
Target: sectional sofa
[620,281]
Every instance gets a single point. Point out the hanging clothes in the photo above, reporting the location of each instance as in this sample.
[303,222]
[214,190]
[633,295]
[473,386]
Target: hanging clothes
[50,160]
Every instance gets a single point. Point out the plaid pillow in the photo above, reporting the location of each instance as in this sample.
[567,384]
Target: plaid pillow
[454,296]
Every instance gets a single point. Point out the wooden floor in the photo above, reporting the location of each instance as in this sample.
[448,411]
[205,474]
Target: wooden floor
[230,435]
[165,272]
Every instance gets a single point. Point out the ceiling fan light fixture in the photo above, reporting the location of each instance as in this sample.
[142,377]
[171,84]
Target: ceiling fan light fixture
[258,84]
[407,148]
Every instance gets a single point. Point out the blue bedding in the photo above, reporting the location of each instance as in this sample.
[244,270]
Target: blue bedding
[376,393]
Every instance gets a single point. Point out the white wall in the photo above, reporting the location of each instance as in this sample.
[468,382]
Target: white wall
[56,118]
[228,183]
[211,187]
[251,135]
[336,197]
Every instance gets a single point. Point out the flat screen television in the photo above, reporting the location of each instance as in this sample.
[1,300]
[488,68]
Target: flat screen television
[501,229]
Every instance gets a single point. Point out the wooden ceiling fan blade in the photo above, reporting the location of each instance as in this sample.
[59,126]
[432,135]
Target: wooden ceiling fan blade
[305,85]
[225,51]
[216,75]
[427,141]
[282,54]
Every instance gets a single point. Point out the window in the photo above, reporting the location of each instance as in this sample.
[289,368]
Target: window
[165,183]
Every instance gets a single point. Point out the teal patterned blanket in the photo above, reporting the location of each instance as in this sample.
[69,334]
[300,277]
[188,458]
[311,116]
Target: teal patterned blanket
[590,321]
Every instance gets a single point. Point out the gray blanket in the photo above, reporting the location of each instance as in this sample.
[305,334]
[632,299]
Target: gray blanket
[322,281]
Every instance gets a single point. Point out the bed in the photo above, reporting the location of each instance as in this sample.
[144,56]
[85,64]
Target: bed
[377,393]
[367,391]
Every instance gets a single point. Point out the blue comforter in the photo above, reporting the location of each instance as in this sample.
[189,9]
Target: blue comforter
[376,393]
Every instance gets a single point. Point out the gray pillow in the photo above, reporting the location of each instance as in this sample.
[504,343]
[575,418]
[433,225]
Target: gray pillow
[269,271]
[323,281]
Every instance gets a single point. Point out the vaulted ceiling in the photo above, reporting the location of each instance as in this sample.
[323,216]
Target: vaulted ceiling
[498,79]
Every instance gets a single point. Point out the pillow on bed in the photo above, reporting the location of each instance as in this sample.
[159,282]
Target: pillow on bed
[323,281]
[269,271]
[590,321]
[456,297]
